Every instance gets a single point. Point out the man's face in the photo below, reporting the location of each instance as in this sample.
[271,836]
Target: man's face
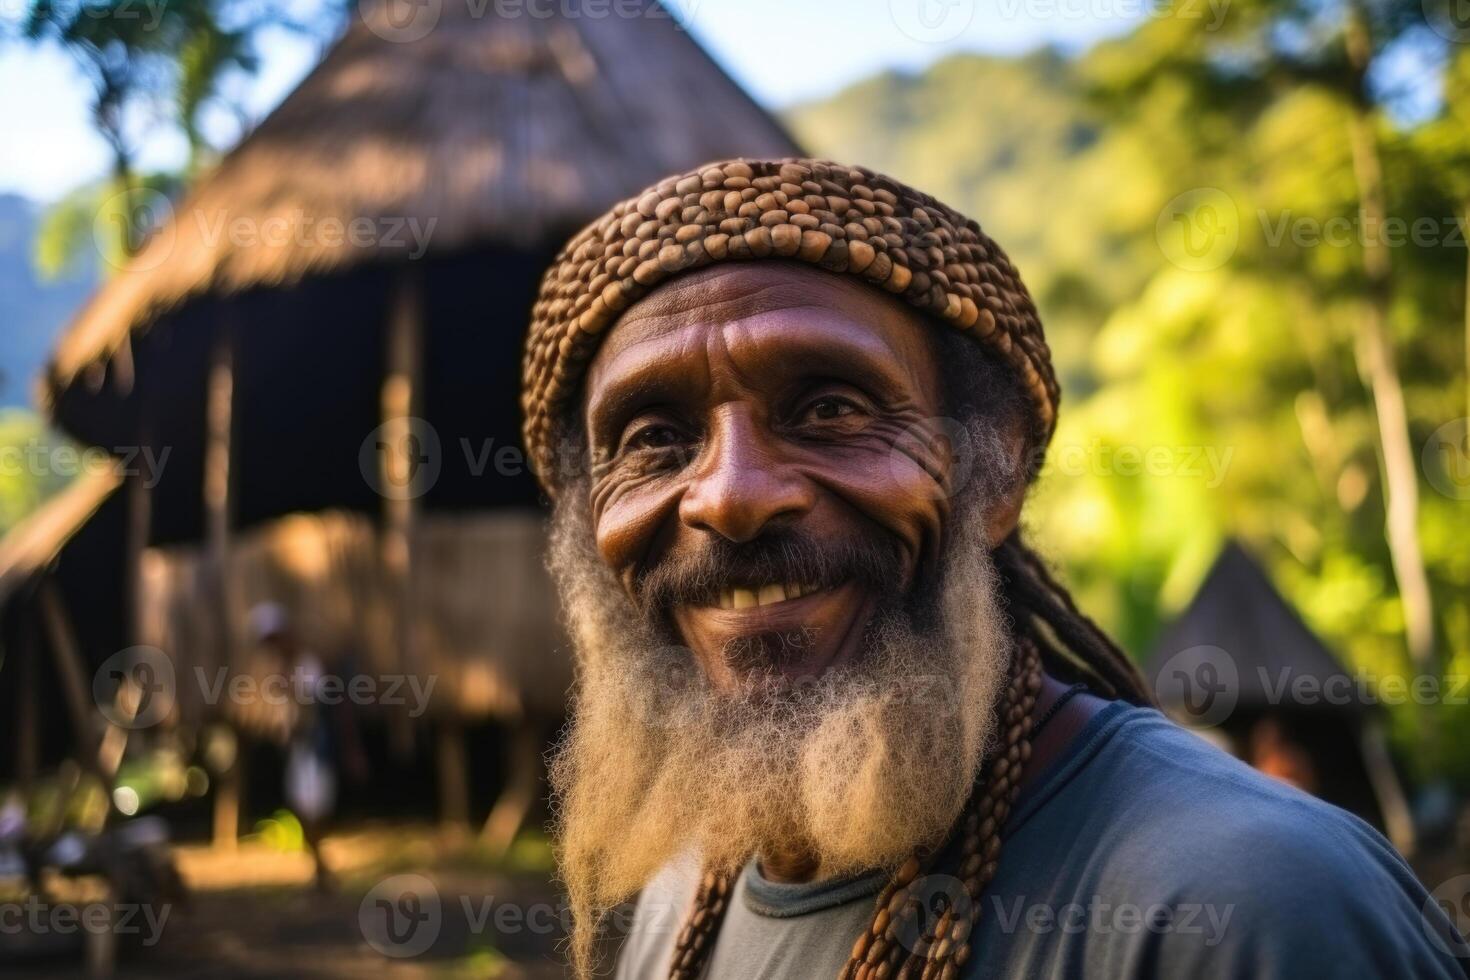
[767,466]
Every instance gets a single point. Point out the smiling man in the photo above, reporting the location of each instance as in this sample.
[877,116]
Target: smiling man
[834,717]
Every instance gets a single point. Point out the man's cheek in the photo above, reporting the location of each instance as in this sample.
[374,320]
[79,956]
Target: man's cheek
[902,498]
[626,522]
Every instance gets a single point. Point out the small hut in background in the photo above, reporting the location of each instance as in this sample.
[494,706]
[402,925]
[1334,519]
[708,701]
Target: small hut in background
[55,559]
[1240,665]
[321,348]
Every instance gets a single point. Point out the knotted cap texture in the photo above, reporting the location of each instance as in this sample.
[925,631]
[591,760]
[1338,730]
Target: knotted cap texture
[844,219]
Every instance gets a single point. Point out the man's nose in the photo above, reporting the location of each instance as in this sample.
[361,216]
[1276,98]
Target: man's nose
[742,484]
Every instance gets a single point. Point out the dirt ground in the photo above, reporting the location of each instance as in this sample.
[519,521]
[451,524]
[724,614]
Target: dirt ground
[255,913]
[410,901]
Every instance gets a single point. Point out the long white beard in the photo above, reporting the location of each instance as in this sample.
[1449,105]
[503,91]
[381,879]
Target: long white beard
[856,770]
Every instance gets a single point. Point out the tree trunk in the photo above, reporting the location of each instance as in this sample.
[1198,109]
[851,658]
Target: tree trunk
[1375,356]
[108,115]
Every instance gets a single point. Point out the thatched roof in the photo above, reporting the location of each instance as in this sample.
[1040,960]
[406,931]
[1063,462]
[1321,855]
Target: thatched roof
[32,544]
[1239,626]
[491,127]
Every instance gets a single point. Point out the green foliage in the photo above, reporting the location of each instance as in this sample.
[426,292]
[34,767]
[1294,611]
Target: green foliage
[27,476]
[90,222]
[174,53]
[281,831]
[1215,392]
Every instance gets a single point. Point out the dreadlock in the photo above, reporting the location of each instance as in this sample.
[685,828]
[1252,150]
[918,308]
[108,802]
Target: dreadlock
[1071,643]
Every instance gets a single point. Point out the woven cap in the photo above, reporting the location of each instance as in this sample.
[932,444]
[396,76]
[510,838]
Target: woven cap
[844,219]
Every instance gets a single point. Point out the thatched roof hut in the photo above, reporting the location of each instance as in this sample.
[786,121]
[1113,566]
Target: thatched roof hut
[511,130]
[49,563]
[1241,663]
[331,322]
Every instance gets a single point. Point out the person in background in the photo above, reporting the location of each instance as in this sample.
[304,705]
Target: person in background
[319,735]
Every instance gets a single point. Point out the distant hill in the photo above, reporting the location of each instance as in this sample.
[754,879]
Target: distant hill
[1018,145]
[32,310]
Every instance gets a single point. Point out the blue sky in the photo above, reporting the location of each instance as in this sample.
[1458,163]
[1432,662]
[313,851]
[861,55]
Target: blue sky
[49,148]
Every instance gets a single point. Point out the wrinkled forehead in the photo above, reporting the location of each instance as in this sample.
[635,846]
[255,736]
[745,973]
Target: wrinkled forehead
[782,316]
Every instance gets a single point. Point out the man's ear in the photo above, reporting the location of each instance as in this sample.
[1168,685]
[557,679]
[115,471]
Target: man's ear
[1004,513]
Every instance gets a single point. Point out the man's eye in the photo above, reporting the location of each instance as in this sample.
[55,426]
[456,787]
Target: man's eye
[828,409]
[654,437]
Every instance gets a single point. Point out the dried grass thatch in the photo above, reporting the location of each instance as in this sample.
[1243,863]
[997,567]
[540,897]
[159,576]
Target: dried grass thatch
[484,613]
[501,124]
[33,543]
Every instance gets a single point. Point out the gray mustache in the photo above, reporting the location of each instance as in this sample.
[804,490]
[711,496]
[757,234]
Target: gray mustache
[777,556]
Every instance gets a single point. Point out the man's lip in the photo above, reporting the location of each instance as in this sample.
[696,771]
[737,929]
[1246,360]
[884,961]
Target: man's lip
[785,615]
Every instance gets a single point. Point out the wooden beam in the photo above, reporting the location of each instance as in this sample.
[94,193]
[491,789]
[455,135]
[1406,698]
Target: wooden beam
[219,521]
[218,481]
[1398,820]
[523,785]
[74,684]
[27,735]
[453,772]
[139,530]
[401,405]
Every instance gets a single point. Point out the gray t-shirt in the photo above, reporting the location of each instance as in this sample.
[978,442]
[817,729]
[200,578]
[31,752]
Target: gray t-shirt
[1142,852]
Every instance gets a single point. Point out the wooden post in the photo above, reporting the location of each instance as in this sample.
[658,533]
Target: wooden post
[74,686]
[27,735]
[140,528]
[523,781]
[219,516]
[1398,820]
[400,462]
[453,773]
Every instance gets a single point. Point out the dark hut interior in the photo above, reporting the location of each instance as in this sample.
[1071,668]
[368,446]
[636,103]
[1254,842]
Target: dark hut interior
[276,377]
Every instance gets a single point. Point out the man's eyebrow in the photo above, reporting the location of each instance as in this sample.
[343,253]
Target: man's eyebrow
[642,376]
[646,384]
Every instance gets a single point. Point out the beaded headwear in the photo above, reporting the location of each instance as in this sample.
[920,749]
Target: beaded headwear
[845,219]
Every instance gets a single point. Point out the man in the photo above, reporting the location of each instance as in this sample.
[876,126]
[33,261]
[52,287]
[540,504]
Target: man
[834,717]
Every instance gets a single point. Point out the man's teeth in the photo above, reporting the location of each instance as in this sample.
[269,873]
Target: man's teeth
[763,596]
